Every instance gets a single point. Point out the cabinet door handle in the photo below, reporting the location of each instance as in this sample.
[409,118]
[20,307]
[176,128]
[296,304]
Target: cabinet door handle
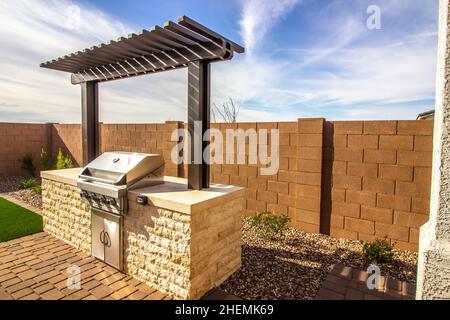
[102,237]
[107,239]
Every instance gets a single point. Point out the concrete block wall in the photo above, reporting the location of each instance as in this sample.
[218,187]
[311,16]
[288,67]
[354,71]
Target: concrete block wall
[17,139]
[350,179]
[379,174]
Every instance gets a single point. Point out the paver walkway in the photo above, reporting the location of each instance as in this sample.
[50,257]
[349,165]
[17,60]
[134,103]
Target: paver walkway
[35,267]
[345,283]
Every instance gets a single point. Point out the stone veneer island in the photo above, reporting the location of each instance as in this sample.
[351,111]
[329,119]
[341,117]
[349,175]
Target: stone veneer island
[183,242]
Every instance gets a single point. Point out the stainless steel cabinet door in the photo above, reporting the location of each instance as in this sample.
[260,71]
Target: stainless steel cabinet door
[113,240]
[107,237]
[97,229]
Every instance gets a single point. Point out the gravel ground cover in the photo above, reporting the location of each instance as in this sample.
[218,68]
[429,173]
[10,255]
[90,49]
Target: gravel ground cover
[11,186]
[295,266]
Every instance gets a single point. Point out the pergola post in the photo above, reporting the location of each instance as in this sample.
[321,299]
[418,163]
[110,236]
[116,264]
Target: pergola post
[198,122]
[89,121]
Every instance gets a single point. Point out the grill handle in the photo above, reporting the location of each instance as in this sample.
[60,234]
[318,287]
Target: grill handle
[101,180]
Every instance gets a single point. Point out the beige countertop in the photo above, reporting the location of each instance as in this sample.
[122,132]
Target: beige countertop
[172,195]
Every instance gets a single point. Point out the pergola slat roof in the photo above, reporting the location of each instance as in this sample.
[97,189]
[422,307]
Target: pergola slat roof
[155,50]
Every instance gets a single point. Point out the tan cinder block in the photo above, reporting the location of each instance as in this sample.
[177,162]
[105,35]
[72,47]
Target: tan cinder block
[337,221]
[380,156]
[339,141]
[378,185]
[414,236]
[310,140]
[256,205]
[309,204]
[343,234]
[338,195]
[348,127]
[277,208]
[415,158]
[362,169]
[65,216]
[409,219]
[310,125]
[394,232]
[421,205]
[415,127]
[423,143]
[395,172]
[363,141]
[359,225]
[345,209]
[278,186]
[422,174]
[309,178]
[287,127]
[346,182]
[367,198]
[307,227]
[394,202]
[348,154]
[309,153]
[396,142]
[308,216]
[309,165]
[267,196]
[257,183]
[376,214]
[380,127]
[413,189]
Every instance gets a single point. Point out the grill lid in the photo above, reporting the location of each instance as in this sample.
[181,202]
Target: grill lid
[121,168]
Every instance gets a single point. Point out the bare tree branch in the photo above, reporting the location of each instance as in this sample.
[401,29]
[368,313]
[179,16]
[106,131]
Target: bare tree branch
[227,112]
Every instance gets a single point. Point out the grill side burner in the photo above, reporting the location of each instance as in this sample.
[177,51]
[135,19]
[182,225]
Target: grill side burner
[104,184]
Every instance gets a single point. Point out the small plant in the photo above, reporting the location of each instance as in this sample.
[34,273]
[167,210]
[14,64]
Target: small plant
[46,160]
[27,164]
[37,189]
[270,226]
[28,184]
[63,162]
[379,251]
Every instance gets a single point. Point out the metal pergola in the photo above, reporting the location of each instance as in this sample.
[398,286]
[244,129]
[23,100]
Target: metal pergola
[176,45]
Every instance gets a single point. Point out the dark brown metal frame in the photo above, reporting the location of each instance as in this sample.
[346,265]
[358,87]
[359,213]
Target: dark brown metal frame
[186,44]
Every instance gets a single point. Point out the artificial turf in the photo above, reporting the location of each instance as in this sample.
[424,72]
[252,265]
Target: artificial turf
[16,221]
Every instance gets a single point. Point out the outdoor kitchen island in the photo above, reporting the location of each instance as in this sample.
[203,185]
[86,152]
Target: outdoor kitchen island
[182,242]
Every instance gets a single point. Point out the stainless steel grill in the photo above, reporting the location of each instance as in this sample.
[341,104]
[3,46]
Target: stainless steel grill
[104,184]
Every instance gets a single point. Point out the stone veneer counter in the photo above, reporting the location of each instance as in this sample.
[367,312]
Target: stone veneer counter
[183,242]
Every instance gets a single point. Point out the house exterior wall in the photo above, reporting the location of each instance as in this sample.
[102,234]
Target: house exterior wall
[433,272]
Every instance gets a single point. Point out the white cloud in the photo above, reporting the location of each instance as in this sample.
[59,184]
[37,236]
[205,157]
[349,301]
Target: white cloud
[258,16]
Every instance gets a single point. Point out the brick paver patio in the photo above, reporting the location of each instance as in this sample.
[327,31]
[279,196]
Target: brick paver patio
[345,283]
[35,267]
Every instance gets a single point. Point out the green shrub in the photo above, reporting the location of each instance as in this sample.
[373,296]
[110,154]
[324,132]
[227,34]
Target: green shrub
[37,189]
[270,226]
[379,251]
[28,184]
[46,160]
[27,164]
[63,162]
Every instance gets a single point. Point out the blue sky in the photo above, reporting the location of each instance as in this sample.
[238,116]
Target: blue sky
[304,58]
